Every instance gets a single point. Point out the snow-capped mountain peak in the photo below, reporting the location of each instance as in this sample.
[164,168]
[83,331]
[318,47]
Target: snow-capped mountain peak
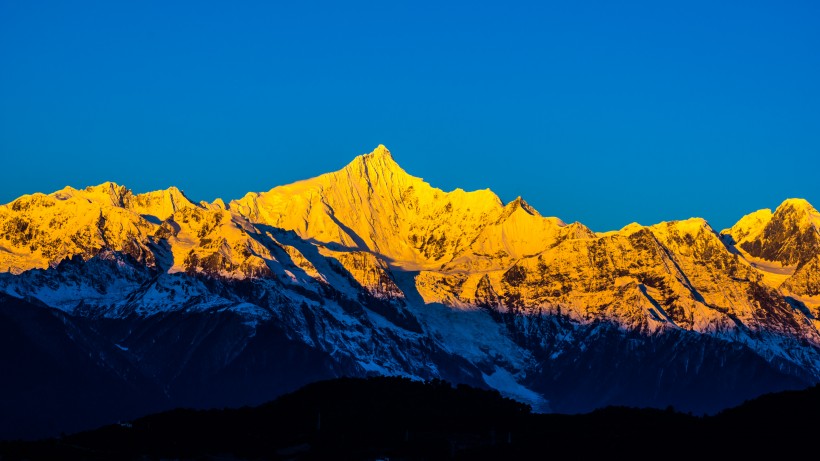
[370,269]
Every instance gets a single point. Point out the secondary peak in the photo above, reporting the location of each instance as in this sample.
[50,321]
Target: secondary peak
[519,202]
[796,203]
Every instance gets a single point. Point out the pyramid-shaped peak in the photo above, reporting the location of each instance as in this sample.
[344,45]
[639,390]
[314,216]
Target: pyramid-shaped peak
[381,150]
[379,155]
[379,160]
[519,202]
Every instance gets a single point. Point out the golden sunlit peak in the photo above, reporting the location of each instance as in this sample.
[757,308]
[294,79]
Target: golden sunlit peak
[107,185]
[108,192]
[381,151]
[521,203]
[796,203]
[380,159]
[631,227]
[380,156]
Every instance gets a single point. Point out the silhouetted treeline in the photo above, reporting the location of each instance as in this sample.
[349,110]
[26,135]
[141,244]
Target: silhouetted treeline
[395,418]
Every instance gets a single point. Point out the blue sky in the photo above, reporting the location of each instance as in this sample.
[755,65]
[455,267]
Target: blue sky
[599,112]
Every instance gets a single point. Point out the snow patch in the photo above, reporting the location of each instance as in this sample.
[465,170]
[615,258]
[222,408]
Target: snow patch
[504,382]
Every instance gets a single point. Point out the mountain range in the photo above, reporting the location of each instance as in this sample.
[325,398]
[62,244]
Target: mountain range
[115,304]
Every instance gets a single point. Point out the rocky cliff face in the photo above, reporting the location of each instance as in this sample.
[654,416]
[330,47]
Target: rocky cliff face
[789,236]
[369,270]
[784,248]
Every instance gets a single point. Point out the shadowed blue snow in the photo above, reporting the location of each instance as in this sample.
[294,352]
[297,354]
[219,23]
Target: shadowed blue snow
[602,112]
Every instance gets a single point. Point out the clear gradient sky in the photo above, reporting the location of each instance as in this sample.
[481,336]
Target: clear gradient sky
[600,112]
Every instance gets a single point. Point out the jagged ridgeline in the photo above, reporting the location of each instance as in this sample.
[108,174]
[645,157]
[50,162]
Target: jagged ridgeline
[371,271]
